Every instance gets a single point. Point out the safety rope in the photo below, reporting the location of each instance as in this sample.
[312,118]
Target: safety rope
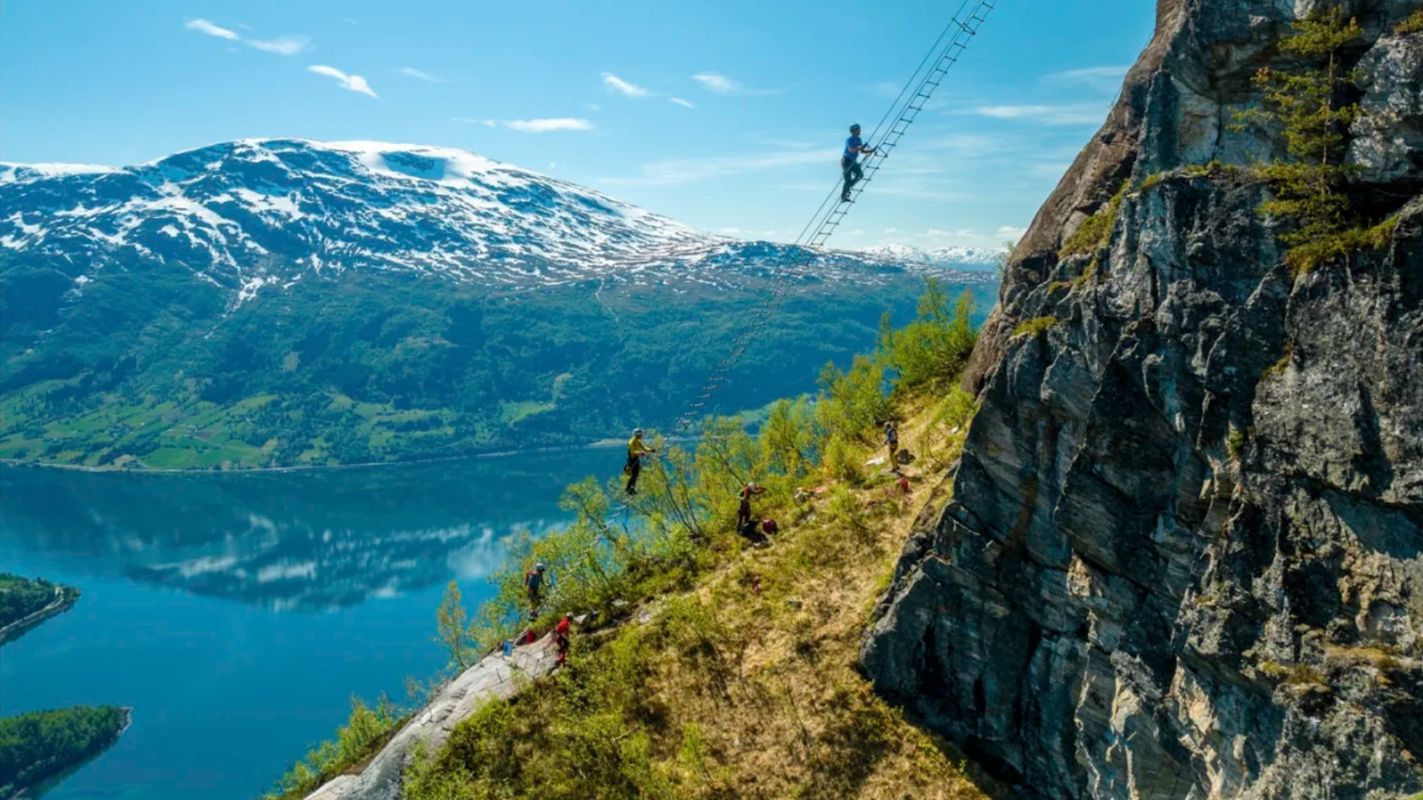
[912,99]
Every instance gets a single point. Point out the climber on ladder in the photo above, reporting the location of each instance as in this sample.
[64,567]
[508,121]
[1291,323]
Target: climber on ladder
[850,161]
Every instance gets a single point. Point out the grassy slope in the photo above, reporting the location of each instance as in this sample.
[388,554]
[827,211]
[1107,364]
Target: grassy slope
[729,692]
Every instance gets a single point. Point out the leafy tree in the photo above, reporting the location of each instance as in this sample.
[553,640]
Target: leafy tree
[930,351]
[451,623]
[40,744]
[853,401]
[363,731]
[1306,105]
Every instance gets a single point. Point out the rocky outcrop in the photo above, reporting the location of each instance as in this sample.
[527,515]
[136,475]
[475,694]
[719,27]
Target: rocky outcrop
[1184,557]
[495,677]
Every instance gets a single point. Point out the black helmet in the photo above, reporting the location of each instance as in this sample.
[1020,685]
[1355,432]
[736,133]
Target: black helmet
[855,128]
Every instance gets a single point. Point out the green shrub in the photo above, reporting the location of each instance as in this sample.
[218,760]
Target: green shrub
[930,351]
[1413,23]
[1094,231]
[1035,326]
[365,730]
[842,461]
[1283,363]
[854,402]
[1235,442]
[848,513]
[581,735]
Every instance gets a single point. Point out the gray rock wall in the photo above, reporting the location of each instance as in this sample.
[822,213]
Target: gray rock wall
[1185,554]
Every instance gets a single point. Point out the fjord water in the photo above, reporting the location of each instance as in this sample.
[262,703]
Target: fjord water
[238,613]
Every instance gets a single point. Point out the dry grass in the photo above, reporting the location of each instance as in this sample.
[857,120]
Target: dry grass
[747,686]
[796,719]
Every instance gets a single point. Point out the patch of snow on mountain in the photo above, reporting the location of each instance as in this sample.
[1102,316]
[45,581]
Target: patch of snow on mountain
[255,214]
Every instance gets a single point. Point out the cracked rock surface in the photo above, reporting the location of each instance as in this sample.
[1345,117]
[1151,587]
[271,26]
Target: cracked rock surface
[1184,557]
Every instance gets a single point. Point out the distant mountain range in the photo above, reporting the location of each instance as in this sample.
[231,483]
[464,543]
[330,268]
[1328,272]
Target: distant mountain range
[976,259]
[274,302]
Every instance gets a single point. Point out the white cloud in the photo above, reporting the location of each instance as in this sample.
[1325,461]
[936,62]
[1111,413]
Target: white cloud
[683,103]
[688,170]
[1103,79]
[544,125]
[282,45]
[1047,114]
[716,82]
[622,87]
[420,75]
[351,83]
[203,26]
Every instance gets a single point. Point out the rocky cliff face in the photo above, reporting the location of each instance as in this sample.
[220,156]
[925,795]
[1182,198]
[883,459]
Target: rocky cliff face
[1185,554]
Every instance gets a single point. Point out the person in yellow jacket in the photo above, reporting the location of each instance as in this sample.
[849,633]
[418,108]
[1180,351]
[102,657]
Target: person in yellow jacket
[637,448]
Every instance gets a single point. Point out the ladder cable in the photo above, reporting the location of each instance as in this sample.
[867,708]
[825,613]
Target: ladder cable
[911,100]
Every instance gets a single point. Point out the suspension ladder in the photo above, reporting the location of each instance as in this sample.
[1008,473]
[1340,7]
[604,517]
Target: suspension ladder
[912,100]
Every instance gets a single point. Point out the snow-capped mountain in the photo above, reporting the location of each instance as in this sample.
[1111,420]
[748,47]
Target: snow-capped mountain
[280,302]
[234,210]
[258,213]
[953,257]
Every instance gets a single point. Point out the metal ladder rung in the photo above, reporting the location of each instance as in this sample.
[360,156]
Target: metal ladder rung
[923,92]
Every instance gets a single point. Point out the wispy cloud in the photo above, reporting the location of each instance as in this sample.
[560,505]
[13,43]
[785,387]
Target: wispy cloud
[683,103]
[1101,79]
[203,26]
[1047,113]
[623,87]
[281,45]
[347,81]
[717,83]
[421,75]
[689,170]
[543,125]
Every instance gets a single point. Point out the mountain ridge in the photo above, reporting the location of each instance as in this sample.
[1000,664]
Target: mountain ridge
[281,302]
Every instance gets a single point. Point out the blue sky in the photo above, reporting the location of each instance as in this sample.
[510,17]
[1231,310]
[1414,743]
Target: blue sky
[726,115]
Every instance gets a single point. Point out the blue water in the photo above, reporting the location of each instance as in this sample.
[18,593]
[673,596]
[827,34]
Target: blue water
[238,614]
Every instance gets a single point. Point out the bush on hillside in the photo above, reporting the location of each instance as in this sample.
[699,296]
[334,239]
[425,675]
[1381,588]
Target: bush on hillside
[930,351]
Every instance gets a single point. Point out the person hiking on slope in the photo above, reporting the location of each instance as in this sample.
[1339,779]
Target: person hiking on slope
[534,584]
[850,161]
[637,448]
[560,636]
[743,511]
[891,441]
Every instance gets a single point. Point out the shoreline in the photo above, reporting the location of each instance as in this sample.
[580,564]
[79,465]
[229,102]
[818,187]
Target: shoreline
[597,444]
[61,603]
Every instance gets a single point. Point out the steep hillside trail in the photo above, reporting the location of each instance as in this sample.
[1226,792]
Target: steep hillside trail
[780,698]
[494,677]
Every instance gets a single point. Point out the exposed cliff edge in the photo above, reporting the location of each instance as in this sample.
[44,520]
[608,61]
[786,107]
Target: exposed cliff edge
[1185,554]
